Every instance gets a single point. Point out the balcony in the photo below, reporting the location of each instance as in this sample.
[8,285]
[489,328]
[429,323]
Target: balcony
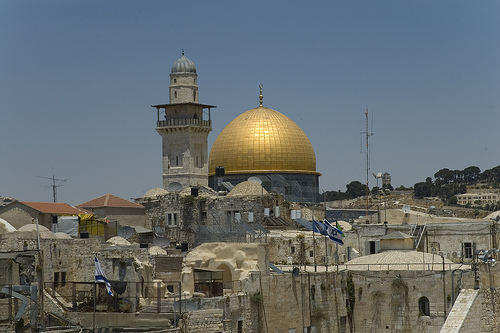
[184,122]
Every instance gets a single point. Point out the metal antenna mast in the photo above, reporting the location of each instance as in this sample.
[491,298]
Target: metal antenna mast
[367,136]
[54,186]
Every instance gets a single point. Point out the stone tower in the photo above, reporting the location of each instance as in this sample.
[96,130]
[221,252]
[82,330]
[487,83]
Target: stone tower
[183,130]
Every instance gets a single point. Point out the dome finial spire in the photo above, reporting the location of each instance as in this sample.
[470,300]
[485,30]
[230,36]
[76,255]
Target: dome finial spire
[182,51]
[260,96]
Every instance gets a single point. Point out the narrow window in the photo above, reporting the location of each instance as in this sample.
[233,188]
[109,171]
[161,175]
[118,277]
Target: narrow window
[175,94]
[63,279]
[423,306]
[240,326]
[175,81]
[468,250]
[56,279]
[292,249]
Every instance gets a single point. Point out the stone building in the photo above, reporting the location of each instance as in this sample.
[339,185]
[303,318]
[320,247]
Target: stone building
[244,214]
[115,209]
[20,213]
[184,130]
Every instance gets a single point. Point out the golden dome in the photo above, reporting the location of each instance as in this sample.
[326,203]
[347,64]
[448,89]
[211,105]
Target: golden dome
[262,140]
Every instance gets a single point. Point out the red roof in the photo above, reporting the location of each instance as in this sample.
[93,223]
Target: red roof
[53,207]
[109,200]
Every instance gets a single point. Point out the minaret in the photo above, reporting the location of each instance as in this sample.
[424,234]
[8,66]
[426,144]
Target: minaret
[183,130]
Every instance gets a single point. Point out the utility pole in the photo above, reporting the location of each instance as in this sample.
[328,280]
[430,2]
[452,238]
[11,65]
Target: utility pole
[54,186]
[367,136]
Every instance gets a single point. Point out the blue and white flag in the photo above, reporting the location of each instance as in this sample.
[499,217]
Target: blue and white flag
[100,277]
[319,227]
[333,233]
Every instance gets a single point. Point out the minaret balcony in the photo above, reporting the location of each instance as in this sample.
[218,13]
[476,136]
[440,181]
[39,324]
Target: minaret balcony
[181,122]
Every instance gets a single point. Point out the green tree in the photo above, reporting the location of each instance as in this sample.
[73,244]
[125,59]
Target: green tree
[443,176]
[423,189]
[471,174]
[355,189]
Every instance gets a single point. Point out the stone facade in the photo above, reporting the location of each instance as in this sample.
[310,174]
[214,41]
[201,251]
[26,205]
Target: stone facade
[210,217]
[183,130]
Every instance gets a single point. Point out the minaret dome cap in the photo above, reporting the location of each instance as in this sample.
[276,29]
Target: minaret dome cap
[183,65]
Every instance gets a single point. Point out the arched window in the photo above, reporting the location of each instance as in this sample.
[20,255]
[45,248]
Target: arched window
[423,306]
[175,80]
[175,94]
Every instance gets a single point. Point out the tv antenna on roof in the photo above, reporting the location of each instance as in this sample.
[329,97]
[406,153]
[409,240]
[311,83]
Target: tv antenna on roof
[54,186]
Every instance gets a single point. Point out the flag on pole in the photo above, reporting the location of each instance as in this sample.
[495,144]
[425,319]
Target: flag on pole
[100,277]
[337,225]
[319,227]
[326,229]
[333,233]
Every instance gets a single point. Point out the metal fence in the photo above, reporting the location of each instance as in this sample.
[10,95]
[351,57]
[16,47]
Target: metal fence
[128,297]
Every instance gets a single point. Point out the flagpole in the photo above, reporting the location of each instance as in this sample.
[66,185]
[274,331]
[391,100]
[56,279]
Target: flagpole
[326,254]
[95,301]
[314,248]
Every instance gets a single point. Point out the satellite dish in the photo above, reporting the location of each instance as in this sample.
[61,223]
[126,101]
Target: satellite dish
[406,209]
[295,272]
[184,306]
[126,232]
[255,180]
[175,187]
[161,242]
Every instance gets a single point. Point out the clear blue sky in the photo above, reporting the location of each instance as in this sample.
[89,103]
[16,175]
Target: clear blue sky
[78,79]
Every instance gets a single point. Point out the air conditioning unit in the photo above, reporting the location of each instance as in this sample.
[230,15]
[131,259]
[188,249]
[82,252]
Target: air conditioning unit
[455,254]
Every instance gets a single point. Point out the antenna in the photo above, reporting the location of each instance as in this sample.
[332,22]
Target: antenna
[54,186]
[367,136]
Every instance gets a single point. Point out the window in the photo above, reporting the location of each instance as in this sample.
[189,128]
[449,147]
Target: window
[175,81]
[240,326]
[311,254]
[468,250]
[63,279]
[172,220]
[175,94]
[56,279]
[423,306]
[292,249]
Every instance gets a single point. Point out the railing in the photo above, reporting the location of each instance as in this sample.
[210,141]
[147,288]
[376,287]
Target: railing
[128,297]
[184,122]
[436,267]
[428,266]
